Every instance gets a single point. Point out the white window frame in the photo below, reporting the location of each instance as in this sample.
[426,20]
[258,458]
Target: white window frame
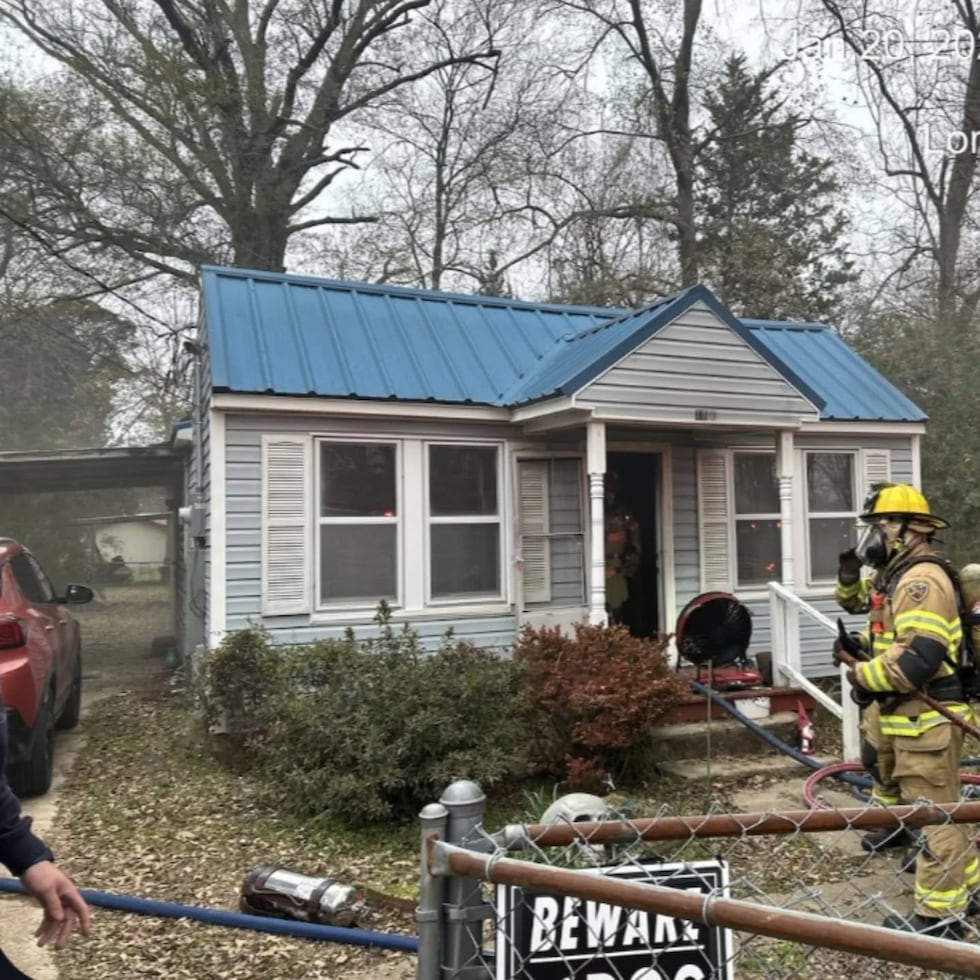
[736,517]
[345,605]
[807,514]
[501,519]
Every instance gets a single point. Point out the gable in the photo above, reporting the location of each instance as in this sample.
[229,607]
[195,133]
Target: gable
[697,368]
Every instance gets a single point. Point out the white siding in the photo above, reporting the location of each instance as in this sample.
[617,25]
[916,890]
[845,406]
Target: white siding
[697,369]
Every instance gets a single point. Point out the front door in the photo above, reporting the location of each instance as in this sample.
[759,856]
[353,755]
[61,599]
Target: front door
[632,545]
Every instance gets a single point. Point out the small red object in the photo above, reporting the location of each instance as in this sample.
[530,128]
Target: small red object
[804,729]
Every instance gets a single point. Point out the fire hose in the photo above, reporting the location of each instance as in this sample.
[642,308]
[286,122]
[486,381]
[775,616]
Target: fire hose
[237,920]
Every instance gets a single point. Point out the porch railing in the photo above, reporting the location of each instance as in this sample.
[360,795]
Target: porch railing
[785,610]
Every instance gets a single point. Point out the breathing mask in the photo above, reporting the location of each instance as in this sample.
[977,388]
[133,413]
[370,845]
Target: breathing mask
[875,545]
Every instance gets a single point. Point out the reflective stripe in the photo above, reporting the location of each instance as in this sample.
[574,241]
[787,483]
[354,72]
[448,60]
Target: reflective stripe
[882,642]
[901,725]
[842,591]
[942,901]
[885,800]
[972,874]
[920,621]
[872,675]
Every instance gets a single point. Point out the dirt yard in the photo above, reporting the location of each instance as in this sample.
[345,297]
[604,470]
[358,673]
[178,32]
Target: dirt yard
[118,630]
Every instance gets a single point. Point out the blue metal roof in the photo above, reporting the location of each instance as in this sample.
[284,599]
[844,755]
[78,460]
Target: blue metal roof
[295,335]
[271,333]
[851,388]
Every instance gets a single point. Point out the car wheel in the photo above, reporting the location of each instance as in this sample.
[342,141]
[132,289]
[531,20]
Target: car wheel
[72,710]
[33,777]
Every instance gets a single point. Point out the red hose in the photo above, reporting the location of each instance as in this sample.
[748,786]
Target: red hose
[810,799]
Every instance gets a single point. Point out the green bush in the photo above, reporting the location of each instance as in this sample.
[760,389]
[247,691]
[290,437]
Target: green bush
[592,698]
[374,729]
[236,679]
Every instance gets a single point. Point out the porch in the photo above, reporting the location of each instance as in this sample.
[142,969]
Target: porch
[784,686]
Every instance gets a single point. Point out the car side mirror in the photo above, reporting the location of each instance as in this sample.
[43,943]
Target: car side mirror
[77,595]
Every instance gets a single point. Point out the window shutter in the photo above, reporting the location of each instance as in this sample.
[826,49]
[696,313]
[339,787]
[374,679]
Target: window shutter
[877,468]
[286,544]
[715,520]
[533,524]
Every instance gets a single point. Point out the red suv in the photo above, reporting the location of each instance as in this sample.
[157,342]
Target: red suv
[40,665]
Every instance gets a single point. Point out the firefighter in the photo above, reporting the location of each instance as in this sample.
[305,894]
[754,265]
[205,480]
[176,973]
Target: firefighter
[623,548]
[911,751]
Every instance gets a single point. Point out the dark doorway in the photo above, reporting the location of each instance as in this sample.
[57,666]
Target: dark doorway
[639,479]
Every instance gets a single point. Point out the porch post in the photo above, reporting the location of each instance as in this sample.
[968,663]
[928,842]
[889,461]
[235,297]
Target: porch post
[785,475]
[595,451]
[789,633]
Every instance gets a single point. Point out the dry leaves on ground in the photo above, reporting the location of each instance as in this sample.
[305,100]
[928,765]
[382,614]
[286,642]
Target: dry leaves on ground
[147,813]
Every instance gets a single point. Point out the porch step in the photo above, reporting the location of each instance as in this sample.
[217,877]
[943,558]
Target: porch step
[757,703]
[725,737]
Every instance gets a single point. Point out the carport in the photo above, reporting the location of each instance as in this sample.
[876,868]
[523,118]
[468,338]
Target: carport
[117,468]
[113,468]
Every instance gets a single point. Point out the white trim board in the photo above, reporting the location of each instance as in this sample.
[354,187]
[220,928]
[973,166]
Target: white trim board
[355,407]
[217,532]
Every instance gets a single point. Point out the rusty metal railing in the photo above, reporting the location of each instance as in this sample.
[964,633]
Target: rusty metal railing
[796,894]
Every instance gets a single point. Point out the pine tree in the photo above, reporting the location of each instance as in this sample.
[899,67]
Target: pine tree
[771,229]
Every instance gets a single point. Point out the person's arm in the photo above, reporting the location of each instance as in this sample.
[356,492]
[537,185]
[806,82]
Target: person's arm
[30,859]
[851,592]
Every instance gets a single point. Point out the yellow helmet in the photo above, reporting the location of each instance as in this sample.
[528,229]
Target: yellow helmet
[900,500]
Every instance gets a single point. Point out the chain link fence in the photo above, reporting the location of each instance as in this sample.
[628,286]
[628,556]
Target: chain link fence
[677,897]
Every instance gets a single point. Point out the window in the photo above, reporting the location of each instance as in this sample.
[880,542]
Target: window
[739,516]
[31,581]
[831,506]
[758,546]
[358,523]
[464,522]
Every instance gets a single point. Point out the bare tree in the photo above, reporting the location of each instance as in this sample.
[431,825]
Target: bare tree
[919,70]
[458,181]
[207,132]
[665,65]
[602,258]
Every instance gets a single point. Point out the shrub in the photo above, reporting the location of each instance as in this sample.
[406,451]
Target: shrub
[235,679]
[592,697]
[374,729]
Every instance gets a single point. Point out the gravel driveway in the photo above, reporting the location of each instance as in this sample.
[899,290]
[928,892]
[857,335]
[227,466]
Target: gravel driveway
[117,633]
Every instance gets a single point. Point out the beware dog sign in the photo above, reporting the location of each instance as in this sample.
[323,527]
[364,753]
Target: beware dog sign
[543,936]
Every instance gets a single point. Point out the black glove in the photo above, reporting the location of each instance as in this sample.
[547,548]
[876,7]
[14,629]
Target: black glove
[854,647]
[848,567]
[859,695]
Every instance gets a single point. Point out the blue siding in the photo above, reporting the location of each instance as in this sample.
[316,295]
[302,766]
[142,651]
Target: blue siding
[243,539]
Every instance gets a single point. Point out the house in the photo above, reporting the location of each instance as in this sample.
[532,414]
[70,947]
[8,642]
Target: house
[447,452]
[140,541]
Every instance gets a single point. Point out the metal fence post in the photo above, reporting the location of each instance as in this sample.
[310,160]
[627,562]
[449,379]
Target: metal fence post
[465,909]
[428,915]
